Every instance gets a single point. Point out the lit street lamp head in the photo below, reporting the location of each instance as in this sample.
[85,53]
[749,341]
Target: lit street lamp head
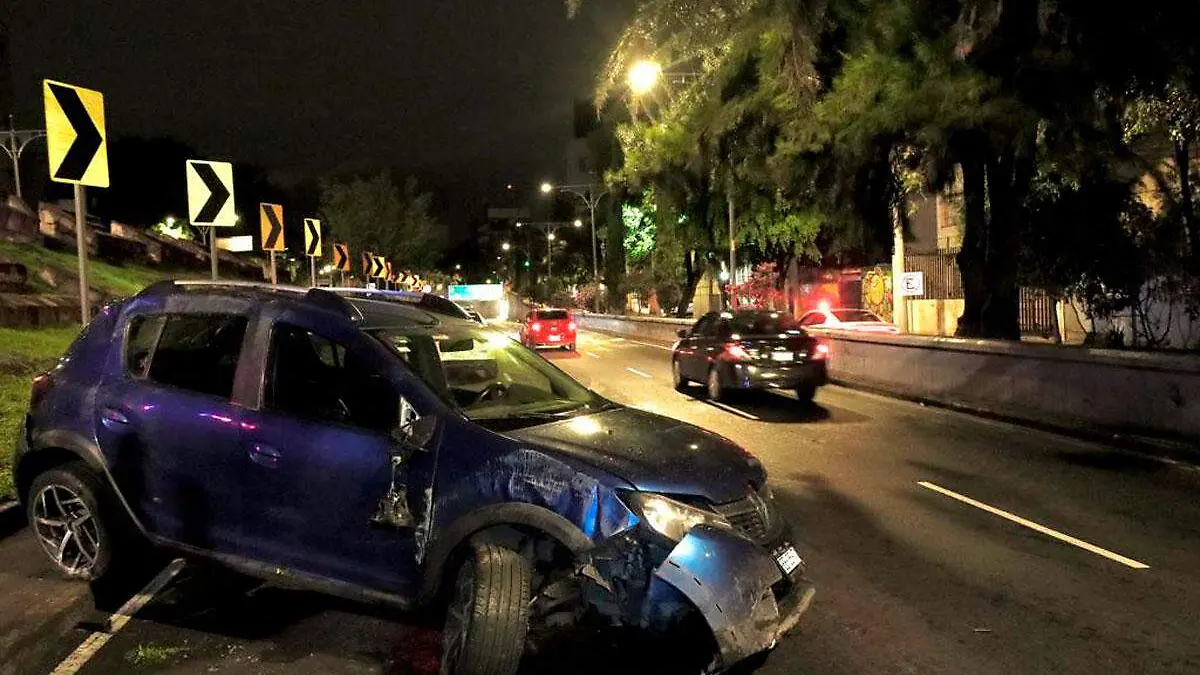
[551,236]
[643,76]
[547,188]
[505,246]
[578,223]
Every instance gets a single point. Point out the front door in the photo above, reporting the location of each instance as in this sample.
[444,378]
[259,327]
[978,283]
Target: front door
[321,454]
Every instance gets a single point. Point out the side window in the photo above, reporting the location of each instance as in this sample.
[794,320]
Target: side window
[197,352]
[140,340]
[704,326]
[316,378]
[722,329]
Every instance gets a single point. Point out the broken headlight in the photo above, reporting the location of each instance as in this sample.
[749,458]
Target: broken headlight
[670,518]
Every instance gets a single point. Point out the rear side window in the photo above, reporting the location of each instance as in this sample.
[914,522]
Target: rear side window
[143,335]
[552,314]
[197,352]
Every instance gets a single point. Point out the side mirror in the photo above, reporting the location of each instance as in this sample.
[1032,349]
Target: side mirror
[682,332]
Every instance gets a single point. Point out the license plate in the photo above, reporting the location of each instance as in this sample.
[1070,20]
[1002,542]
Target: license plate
[781,356]
[556,338]
[789,560]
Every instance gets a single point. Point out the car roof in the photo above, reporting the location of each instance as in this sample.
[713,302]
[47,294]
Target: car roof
[430,301]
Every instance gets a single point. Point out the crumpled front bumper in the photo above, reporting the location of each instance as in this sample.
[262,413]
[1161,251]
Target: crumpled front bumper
[739,589]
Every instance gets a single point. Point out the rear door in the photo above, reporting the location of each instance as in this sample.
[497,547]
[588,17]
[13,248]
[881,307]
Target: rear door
[171,434]
[693,360]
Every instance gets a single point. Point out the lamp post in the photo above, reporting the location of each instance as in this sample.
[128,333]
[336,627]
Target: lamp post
[551,231]
[16,143]
[591,196]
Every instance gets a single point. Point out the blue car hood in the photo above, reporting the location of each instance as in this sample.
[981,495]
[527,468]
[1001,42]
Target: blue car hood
[653,453]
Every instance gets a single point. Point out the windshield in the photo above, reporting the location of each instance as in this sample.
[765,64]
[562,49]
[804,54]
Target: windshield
[763,323]
[488,376]
[854,315]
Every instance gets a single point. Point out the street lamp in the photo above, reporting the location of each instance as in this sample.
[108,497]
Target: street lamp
[643,77]
[591,197]
[505,246]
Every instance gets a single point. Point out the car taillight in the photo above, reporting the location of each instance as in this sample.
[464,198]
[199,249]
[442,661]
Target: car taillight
[41,384]
[735,352]
[535,327]
[571,326]
[821,352]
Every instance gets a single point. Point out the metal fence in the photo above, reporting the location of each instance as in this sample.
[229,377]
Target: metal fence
[943,282]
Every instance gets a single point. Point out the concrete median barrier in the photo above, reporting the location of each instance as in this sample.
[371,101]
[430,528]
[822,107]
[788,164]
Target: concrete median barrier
[1091,391]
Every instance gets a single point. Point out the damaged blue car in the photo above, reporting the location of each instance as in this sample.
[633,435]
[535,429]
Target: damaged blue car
[385,453]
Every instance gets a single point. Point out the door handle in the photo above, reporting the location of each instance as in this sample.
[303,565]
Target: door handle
[113,418]
[265,455]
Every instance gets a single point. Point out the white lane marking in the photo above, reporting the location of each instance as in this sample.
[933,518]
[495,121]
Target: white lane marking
[733,410]
[594,356]
[649,344]
[644,374]
[95,641]
[1128,562]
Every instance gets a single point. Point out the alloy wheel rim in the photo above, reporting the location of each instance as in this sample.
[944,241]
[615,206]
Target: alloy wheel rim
[66,529]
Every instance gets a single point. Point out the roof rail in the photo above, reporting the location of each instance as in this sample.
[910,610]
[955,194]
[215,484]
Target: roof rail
[318,297]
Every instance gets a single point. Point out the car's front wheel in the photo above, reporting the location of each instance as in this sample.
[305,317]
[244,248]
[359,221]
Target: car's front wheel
[488,617]
[65,513]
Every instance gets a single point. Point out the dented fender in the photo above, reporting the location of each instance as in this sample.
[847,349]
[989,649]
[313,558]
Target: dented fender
[729,580]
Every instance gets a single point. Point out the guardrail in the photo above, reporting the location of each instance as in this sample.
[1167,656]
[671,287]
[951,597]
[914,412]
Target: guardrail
[1095,391]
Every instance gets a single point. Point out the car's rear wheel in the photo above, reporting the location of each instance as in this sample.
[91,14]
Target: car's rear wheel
[806,392]
[488,617]
[716,392]
[65,512]
[681,383]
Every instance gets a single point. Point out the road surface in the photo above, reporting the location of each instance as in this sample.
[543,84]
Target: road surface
[940,543]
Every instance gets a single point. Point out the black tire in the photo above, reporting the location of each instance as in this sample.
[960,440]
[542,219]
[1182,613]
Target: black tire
[806,392]
[69,482]
[712,386]
[677,379]
[488,617]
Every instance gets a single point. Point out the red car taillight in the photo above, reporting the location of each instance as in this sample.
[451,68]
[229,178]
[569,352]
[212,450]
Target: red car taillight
[535,327]
[821,352]
[41,385]
[735,352]
[571,327]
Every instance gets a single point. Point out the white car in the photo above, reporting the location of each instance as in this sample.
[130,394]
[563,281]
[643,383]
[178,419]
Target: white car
[846,319]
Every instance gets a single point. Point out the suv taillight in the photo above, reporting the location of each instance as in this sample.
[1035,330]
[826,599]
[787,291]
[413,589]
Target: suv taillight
[41,385]
[535,327]
[571,327]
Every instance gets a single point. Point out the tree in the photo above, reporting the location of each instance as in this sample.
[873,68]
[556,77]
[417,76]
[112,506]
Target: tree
[372,214]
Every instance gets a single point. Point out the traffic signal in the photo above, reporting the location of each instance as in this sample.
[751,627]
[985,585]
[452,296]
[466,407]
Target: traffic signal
[527,265]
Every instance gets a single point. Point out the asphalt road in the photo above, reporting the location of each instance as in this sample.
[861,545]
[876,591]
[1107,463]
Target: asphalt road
[940,543]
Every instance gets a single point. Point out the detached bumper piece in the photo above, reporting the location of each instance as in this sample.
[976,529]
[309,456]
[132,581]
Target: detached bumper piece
[739,589]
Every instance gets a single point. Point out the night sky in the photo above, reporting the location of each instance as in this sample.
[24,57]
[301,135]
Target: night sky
[472,93]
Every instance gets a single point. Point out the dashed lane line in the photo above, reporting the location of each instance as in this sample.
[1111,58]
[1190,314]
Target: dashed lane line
[735,411]
[640,373]
[96,641]
[1066,538]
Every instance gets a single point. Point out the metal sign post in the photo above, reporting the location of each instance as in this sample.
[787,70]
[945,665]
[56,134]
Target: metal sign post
[274,280]
[212,250]
[77,147]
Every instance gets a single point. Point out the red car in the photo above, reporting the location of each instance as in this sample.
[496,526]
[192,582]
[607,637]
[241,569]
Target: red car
[549,328]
